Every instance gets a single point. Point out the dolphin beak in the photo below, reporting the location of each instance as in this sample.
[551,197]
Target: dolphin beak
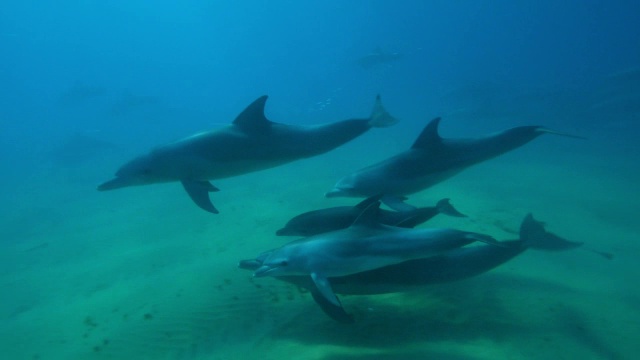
[250,264]
[114,183]
[262,271]
[335,192]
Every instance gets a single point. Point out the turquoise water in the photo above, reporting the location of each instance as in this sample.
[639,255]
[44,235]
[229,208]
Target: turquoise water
[142,273]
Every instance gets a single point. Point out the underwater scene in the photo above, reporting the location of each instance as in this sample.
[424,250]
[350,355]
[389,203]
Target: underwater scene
[332,180]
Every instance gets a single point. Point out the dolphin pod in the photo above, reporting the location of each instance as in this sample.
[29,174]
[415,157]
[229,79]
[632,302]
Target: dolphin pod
[365,245]
[359,249]
[430,160]
[453,265]
[380,252]
[250,143]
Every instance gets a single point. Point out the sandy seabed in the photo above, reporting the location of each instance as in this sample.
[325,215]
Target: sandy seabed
[141,273]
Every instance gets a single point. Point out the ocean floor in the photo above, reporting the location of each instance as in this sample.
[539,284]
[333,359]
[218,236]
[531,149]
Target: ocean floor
[142,273]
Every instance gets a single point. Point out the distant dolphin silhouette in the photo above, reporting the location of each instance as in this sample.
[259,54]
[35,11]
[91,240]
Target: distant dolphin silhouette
[250,144]
[378,57]
[341,217]
[429,161]
[366,245]
[454,265]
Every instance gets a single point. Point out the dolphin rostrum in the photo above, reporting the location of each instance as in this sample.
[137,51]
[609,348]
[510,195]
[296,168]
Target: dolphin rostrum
[250,143]
[365,245]
[429,161]
[341,217]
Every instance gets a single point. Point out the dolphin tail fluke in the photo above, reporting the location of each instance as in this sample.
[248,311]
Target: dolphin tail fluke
[542,129]
[420,215]
[380,117]
[444,207]
[199,192]
[534,236]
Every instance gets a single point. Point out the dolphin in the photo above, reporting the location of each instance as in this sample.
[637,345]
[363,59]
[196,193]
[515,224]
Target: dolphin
[341,217]
[429,161]
[365,245]
[378,57]
[250,143]
[454,265]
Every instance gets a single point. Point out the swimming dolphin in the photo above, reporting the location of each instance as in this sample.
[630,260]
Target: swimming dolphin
[429,161]
[250,143]
[454,265]
[365,245]
[341,217]
[378,57]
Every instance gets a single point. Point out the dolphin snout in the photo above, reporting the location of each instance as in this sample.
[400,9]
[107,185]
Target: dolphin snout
[284,232]
[262,271]
[252,264]
[335,192]
[114,183]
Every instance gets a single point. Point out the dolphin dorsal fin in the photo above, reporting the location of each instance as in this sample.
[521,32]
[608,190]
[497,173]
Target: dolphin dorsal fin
[252,118]
[429,135]
[364,204]
[369,216]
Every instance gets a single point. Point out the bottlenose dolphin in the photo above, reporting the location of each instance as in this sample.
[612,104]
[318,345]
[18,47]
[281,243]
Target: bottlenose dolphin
[429,161]
[378,57]
[250,143]
[365,245]
[341,217]
[454,265]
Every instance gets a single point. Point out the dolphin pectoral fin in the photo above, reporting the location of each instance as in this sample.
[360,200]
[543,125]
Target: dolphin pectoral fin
[397,203]
[336,312]
[199,192]
[324,287]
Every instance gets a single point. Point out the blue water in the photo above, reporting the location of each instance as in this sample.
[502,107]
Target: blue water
[142,273]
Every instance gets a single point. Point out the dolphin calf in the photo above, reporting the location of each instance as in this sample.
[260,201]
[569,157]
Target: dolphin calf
[365,245]
[341,217]
[429,161]
[250,143]
[454,265]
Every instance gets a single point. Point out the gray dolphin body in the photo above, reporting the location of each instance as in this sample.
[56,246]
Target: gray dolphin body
[429,161]
[366,245]
[249,144]
[341,217]
[454,265]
